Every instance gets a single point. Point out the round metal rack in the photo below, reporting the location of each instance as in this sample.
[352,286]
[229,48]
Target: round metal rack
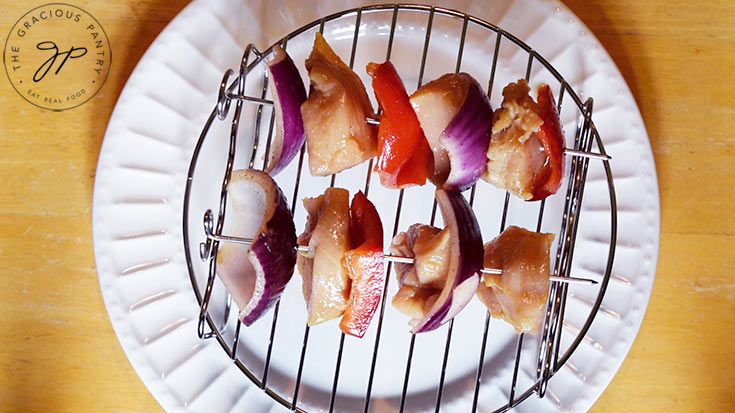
[550,355]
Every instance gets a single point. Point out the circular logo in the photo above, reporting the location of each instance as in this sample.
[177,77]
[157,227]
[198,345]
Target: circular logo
[57,56]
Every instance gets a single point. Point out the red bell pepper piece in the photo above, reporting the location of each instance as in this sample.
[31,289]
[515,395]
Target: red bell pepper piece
[548,180]
[365,266]
[404,155]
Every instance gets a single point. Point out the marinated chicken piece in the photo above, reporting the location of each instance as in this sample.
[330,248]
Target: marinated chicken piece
[422,282]
[415,302]
[335,114]
[516,155]
[326,284]
[519,294]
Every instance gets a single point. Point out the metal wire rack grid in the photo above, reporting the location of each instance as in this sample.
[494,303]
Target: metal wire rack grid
[549,358]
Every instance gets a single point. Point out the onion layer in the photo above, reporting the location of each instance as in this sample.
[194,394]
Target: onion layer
[467,137]
[288,94]
[256,275]
[465,261]
[456,118]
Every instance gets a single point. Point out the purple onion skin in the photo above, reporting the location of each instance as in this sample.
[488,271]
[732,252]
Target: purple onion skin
[274,250]
[291,94]
[467,138]
[436,319]
[470,237]
[466,256]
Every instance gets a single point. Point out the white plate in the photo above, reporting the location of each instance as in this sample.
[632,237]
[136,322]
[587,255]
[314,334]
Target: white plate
[137,215]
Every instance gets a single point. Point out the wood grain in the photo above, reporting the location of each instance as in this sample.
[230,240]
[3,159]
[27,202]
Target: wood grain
[677,57]
[58,351]
[57,348]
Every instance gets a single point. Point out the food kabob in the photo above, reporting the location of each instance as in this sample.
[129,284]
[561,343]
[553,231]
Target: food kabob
[455,120]
[445,132]
[341,260]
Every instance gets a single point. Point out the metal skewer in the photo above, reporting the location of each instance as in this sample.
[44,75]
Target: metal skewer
[375,121]
[389,257]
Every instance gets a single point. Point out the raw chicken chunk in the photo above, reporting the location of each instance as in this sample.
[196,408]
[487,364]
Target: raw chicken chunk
[326,283]
[519,294]
[515,155]
[335,114]
[422,282]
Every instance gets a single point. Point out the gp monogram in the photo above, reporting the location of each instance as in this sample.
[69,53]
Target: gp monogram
[57,56]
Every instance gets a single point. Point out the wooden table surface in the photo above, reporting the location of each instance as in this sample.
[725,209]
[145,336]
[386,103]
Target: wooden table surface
[58,351]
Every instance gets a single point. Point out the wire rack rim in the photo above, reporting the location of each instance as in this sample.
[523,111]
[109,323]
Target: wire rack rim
[533,55]
[261,56]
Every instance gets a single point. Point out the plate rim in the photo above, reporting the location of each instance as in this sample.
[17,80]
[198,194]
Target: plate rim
[155,384]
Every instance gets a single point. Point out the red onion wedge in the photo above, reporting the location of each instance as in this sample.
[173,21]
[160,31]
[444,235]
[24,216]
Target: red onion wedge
[288,94]
[456,117]
[256,275]
[465,261]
